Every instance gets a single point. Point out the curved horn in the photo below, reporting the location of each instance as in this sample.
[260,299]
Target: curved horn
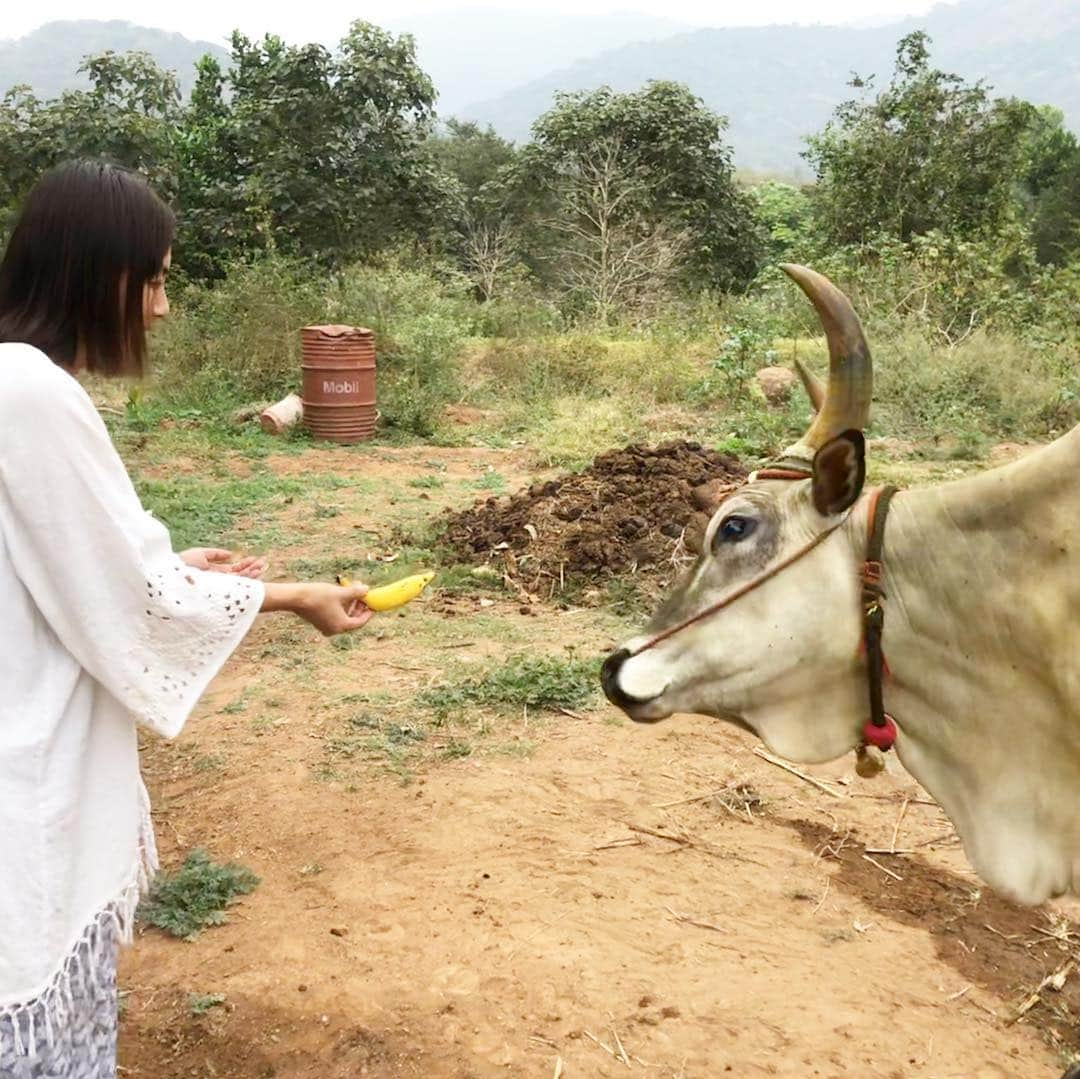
[847,401]
[815,388]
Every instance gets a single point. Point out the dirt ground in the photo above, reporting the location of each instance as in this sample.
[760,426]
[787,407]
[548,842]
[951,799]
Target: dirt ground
[611,900]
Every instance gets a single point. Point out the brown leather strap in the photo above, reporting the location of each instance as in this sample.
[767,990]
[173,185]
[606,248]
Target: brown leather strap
[738,593]
[873,599]
[781,474]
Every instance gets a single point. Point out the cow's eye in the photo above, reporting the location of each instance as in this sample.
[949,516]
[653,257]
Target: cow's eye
[735,528]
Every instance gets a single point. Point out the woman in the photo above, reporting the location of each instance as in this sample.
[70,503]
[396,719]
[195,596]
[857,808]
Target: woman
[102,626]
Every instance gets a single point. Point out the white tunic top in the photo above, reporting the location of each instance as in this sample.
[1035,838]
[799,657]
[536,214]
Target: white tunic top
[101,627]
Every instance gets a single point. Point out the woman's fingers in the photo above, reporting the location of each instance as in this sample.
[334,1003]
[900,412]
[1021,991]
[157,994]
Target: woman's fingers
[355,602]
[252,566]
[355,621]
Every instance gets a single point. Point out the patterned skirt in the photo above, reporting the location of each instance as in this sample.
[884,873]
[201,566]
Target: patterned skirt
[81,1044]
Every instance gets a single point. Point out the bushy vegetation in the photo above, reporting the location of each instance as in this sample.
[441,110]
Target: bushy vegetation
[194,896]
[607,281]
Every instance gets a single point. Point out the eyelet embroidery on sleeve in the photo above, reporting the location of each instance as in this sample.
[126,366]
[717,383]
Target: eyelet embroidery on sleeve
[190,627]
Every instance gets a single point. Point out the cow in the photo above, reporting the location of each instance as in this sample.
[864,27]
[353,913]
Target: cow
[980,672]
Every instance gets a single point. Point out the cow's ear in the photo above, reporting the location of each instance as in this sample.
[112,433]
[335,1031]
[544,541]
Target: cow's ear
[839,473]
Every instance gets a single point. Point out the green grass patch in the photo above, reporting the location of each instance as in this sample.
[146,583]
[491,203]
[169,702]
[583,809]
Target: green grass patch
[462,580]
[201,512]
[489,481]
[520,681]
[393,742]
[201,1003]
[430,483]
[209,762]
[195,896]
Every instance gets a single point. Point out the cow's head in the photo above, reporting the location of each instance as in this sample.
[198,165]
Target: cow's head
[781,659]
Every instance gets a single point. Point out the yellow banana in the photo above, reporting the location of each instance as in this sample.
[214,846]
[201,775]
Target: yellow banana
[396,594]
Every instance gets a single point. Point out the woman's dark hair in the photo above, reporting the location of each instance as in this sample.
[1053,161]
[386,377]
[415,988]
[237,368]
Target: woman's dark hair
[88,239]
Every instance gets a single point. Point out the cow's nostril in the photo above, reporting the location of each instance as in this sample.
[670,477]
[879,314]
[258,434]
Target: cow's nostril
[609,679]
[609,675]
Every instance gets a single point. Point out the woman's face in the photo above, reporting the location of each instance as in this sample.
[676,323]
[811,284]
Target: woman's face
[155,302]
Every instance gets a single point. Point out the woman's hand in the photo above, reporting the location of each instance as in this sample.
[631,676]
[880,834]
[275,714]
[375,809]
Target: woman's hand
[216,560]
[330,608]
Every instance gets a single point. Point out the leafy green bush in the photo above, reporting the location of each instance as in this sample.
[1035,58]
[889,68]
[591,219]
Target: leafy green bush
[238,341]
[931,309]
[195,896]
[990,384]
[421,375]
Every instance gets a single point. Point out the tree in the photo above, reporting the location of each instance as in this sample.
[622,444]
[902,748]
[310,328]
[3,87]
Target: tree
[785,213]
[655,159]
[308,152]
[1056,228]
[1051,186]
[475,157]
[929,152]
[127,116]
[478,162]
[612,256]
[216,223]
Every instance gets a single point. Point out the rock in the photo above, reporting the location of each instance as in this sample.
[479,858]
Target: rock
[776,383]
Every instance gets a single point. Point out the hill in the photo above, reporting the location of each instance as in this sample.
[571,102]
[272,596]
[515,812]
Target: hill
[475,55]
[776,83]
[779,83]
[470,54]
[48,59]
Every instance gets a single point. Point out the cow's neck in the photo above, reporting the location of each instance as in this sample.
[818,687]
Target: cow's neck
[983,639]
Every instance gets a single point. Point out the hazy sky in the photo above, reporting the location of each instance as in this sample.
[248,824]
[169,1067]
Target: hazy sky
[325,20]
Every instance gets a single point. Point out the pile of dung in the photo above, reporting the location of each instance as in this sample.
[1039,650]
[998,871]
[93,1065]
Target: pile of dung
[625,513]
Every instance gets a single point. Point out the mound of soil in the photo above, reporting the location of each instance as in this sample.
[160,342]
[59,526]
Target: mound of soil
[626,512]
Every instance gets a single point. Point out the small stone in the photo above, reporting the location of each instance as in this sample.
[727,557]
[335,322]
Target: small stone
[776,383]
[339,932]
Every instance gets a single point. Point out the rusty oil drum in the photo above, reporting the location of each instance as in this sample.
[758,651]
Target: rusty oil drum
[338,364]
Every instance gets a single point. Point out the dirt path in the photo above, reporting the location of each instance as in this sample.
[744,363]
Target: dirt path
[577,902]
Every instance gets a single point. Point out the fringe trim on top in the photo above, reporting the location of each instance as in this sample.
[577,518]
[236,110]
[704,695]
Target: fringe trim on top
[35,1021]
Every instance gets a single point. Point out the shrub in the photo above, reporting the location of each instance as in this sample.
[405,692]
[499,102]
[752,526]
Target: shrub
[195,896]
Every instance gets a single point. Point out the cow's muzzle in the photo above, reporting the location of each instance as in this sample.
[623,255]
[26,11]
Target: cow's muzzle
[634,707]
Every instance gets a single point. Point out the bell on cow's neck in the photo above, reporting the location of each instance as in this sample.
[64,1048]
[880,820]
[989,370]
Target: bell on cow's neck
[869,761]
